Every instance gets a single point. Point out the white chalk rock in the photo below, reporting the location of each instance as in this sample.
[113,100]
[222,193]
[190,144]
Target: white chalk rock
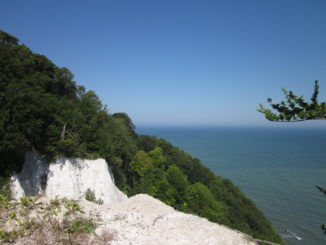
[17,190]
[66,177]
[144,220]
[72,177]
[33,175]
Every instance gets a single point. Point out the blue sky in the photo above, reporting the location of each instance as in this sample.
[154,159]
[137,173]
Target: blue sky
[203,63]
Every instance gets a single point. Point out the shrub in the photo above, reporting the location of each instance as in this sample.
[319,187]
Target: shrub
[4,188]
[3,200]
[90,196]
[80,225]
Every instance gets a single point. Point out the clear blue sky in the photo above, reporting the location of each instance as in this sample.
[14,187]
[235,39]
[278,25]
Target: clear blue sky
[180,62]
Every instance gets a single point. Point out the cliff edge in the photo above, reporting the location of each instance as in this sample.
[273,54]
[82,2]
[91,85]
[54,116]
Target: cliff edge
[144,220]
[139,220]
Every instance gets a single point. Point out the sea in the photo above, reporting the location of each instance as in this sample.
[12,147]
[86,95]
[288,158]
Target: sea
[277,168]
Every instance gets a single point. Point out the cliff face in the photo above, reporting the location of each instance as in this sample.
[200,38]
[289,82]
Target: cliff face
[139,220]
[65,177]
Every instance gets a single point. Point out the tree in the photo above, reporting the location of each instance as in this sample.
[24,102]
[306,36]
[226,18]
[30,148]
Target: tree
[141,162]
[157,156]
[127,121]
[180,182]
[177,178]
[42,109]
[155,183]
[296,109]
[7,38]
[201,200]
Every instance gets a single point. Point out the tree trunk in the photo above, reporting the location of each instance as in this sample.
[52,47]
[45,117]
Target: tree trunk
[63,131]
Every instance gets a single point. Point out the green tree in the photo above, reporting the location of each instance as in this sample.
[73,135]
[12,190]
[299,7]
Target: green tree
[7,38]
[141,162]
[147,143]
[180,182]
[201,201]
[127,121]
[296,109]
[157,156]
[42,109]
[155,183]
[177,178]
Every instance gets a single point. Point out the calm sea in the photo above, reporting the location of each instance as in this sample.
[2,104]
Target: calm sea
[276,167]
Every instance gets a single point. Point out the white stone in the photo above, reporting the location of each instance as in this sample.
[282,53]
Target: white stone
[144,220]
[66,177]
[17,190]
[72,177]
[29,181]
[140,220]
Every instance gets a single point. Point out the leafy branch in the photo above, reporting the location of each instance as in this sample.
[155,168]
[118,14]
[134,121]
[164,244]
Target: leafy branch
[295,108]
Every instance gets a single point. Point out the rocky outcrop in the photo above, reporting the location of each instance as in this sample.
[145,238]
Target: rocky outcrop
[144,220]
[65,177]
[139,220]
[31,180]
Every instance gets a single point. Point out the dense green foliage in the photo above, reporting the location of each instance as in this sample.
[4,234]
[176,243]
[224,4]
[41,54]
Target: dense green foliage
[295,108]
[4,189]
[43,109]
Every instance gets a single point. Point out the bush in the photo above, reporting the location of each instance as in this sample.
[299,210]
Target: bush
[3,200]
[4,188]
[90,196]
[80,225]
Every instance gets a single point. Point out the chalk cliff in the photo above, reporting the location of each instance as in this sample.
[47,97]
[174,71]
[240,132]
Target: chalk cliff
[65,177]
[139,220]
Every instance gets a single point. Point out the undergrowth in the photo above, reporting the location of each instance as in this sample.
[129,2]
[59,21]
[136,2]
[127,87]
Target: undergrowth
[4,188]
[60,221]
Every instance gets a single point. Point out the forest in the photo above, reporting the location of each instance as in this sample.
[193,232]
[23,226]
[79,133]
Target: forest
[44,110]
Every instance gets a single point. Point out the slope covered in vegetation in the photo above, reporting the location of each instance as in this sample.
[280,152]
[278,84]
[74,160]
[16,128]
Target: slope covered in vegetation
[43,109]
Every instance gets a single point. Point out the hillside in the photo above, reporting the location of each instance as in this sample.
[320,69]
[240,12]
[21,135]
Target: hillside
[44,110]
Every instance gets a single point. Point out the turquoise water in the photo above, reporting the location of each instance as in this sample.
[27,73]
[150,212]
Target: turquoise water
[276,167]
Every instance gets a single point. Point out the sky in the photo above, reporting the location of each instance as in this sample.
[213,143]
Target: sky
[181,62]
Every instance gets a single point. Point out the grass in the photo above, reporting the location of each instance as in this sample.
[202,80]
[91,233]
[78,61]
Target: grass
[59,221]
